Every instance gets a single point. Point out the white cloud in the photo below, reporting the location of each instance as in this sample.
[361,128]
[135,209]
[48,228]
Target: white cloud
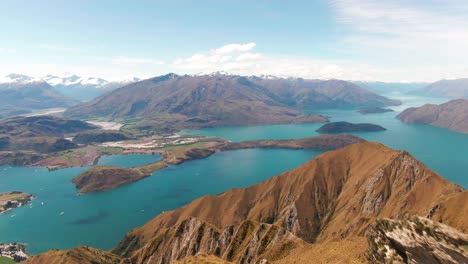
[231,48]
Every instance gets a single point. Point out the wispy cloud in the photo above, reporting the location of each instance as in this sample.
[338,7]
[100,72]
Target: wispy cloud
[231,48]
[431,35]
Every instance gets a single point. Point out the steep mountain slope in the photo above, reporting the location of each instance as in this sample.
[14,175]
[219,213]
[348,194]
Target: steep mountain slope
[199,100]
[417,240]
[457,88]
[336,195]
[452,115]
[247,242]
[315,94]
[22,97]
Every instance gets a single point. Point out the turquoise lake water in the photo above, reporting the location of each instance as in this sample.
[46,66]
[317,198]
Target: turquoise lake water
[442,150]
[58,218]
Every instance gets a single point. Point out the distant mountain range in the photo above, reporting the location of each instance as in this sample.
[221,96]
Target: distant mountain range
[22,97]
[218,99]
[453,89]
[388,87]
[452,115]
[71,85]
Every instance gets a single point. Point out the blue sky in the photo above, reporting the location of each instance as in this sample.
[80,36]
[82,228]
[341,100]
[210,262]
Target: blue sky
[346,39]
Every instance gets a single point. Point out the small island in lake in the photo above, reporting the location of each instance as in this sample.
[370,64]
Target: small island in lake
[343,127]
[12,200]
[374,110]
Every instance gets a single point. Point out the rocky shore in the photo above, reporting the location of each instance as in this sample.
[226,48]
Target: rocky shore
[13,251]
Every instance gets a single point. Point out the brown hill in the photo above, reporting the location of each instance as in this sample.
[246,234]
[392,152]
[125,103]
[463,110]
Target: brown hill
[78,255]
[452,115]
[334,196]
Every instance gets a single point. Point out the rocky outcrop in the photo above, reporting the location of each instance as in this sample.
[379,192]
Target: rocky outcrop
[14,251]
[417,240]
[452,115]
[247,242]
[346,127]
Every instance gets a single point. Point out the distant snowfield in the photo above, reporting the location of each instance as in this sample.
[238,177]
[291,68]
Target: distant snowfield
[43,112]
[106,125]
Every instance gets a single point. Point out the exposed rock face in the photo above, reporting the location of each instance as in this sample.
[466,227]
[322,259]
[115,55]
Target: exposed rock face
[417,240]
[78,255]
[344,127]
[247,242]
[452,115]
[337,195]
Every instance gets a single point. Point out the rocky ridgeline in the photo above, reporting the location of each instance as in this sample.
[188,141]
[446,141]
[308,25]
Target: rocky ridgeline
[418,240]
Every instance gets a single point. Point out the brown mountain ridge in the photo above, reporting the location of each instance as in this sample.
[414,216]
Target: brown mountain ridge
[330,199]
